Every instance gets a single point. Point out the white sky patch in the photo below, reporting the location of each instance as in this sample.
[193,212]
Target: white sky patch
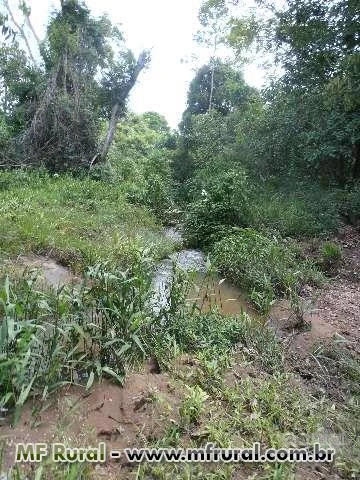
[166,26]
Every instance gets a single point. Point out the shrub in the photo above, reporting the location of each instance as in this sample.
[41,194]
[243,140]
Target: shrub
[295,210]
[222,203]
[212,335]
[264,266]
[152,191]
[351,206]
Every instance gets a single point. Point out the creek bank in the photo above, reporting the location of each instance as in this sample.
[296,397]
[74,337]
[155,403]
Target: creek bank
[48,271]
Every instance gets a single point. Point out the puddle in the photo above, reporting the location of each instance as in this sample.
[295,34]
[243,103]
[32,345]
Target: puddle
[211,292]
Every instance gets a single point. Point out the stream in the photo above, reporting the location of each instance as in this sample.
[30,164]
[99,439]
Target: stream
[208,291]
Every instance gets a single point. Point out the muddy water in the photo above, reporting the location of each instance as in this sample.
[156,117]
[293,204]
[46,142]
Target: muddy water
[208,291]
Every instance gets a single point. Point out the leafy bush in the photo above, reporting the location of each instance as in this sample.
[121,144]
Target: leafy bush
[294,210]
[141,157]
[351,206]
[262,265]
[151,191]
[102,172]
[223,202]
[212,335]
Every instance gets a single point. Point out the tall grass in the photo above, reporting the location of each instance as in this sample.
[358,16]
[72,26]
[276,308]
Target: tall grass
[264,266]
[295,209]
[77,221]
[49,338]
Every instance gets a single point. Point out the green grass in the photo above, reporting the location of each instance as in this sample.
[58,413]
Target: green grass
[235,388]
[264,266]
[51,337]
[76,221]
[330,256]
[295,210]
[233,409]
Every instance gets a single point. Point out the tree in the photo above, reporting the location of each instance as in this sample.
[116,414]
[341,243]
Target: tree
[119,81]
[86,73]
[229,90]
[311,123]
[211,17]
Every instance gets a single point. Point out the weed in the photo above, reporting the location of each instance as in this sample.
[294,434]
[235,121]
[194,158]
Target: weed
[193,405]
[49,338]
[265,266]
[222,204]
[331,255]
[293,211]
[77,221]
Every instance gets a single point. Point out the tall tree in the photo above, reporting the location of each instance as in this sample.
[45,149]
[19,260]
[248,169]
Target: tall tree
[212,17]
[317,44]
[119,81]
[87,73]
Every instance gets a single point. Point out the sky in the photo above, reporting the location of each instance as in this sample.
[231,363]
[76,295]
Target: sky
[166,26]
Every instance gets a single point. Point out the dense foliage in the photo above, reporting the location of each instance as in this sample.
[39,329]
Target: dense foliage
[261,181]
[297,142]
[51,109]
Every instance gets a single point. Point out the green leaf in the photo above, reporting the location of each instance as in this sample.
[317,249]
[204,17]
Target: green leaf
[39,472]
[111,372]
[137,341]
[25,391]
[90,380]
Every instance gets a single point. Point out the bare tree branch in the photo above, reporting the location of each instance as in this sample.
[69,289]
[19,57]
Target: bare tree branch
[29,24]
[21,30]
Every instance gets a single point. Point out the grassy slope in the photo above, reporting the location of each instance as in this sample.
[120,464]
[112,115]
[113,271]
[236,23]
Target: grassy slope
[75,221]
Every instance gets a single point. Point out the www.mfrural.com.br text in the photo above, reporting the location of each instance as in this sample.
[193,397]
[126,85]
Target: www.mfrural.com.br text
[60,453]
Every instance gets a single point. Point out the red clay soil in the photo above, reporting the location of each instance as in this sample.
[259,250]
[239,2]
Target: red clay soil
[333,310]
[122,417]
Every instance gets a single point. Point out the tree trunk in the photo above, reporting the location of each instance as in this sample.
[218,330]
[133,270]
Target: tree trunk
[212,86]
[212,75]
[118,107]
[111,131]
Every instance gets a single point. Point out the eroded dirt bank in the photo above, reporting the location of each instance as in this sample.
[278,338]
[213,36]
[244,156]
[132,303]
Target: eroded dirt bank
[138,414]
[330,331]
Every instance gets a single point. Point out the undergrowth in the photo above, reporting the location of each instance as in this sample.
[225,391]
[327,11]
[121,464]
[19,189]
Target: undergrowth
[265,266]
[71,335]
[76,221]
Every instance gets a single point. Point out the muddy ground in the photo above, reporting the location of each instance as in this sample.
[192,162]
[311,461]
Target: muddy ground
[134,415]
[330,330]
[138,413]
